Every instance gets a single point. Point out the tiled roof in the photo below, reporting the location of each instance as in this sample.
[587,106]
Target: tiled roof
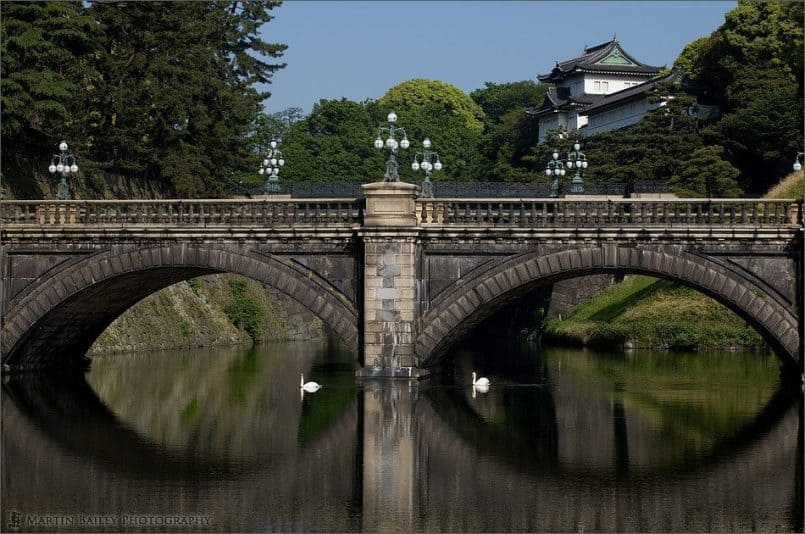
[629,93]
[558,98]
[607,57]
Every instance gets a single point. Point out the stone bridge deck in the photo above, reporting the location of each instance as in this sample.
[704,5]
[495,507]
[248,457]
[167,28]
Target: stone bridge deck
[398,278]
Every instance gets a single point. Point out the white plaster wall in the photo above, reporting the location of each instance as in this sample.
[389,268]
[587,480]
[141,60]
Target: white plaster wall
[620,117]
[550,122]
[614,83]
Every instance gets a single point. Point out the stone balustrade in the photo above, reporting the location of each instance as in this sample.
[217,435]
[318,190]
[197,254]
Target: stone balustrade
[537,213]
[200,213]
[596,213]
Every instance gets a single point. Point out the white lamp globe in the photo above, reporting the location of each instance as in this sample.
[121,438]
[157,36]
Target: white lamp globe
[261,171]
[405,143]
[273,161]
[437,166]
[281,162]
[569,164]
[389,142]
[63,146]
[73,168]
[52,168]
[576,146]
[66,169]
[378,143]
[273,144]
[578,164]
[563,172]
[392,117]
[584,164]
[797,166]
[426,143]
[415,166]
[548,172]
[555,155]
[275,171]
[394,144]
[60,167]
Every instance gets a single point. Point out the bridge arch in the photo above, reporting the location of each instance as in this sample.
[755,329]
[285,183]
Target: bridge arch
[468,302]
[63,315]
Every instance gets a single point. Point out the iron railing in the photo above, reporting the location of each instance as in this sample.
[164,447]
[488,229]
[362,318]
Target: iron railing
[456,189]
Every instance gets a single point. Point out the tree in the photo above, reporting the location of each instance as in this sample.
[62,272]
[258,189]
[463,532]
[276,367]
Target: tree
[655,148]
[443,113]
[752,67]
[46,49]
[509,133]
[177,99]
[706,173]
[334,144]
[499,100]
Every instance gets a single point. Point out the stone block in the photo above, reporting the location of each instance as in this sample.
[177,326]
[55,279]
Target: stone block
[388,293]
[387,316]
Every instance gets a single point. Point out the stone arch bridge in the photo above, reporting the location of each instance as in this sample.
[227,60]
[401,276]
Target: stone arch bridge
[397,278]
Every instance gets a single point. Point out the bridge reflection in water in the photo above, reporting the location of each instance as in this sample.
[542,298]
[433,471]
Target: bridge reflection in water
[564,440]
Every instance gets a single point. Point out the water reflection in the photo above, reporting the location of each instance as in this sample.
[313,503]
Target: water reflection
[563,440]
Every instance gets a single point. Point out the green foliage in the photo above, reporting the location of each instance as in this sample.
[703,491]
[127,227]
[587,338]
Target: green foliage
[656,148]
[499,100]
[705,173]
[505,147]
[47,50]
[185,327]
[688,61]
[654,312]
[334,144]
[792,186]
[243,310]
[194,284]
[443,113]
[161,89]
[752,67]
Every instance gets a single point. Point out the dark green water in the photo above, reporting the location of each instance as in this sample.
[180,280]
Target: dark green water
[563,440]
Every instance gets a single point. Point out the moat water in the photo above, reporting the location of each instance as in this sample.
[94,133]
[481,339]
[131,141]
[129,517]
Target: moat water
[563,440]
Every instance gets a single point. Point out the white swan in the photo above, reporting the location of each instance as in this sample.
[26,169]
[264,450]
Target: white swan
[310,387]
[481,382]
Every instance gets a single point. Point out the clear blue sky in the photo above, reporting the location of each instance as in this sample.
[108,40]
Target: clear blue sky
[360,49]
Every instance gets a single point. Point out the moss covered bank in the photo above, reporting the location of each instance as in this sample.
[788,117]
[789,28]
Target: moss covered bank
[209,311]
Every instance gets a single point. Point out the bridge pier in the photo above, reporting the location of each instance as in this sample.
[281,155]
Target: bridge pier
[390,244]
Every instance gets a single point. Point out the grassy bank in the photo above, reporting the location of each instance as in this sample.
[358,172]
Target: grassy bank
[648,312]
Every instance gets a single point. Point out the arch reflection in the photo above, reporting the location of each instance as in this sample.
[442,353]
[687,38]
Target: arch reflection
[401,456]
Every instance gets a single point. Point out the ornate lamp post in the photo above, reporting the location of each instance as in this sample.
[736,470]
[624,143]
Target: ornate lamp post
[65,163]
[555,168]
[578,160]
[391,145]
[797,164]
[271,166]
[422,161]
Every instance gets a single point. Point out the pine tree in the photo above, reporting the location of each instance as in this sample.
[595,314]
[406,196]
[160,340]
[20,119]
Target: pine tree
[46,49]
[177,100]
